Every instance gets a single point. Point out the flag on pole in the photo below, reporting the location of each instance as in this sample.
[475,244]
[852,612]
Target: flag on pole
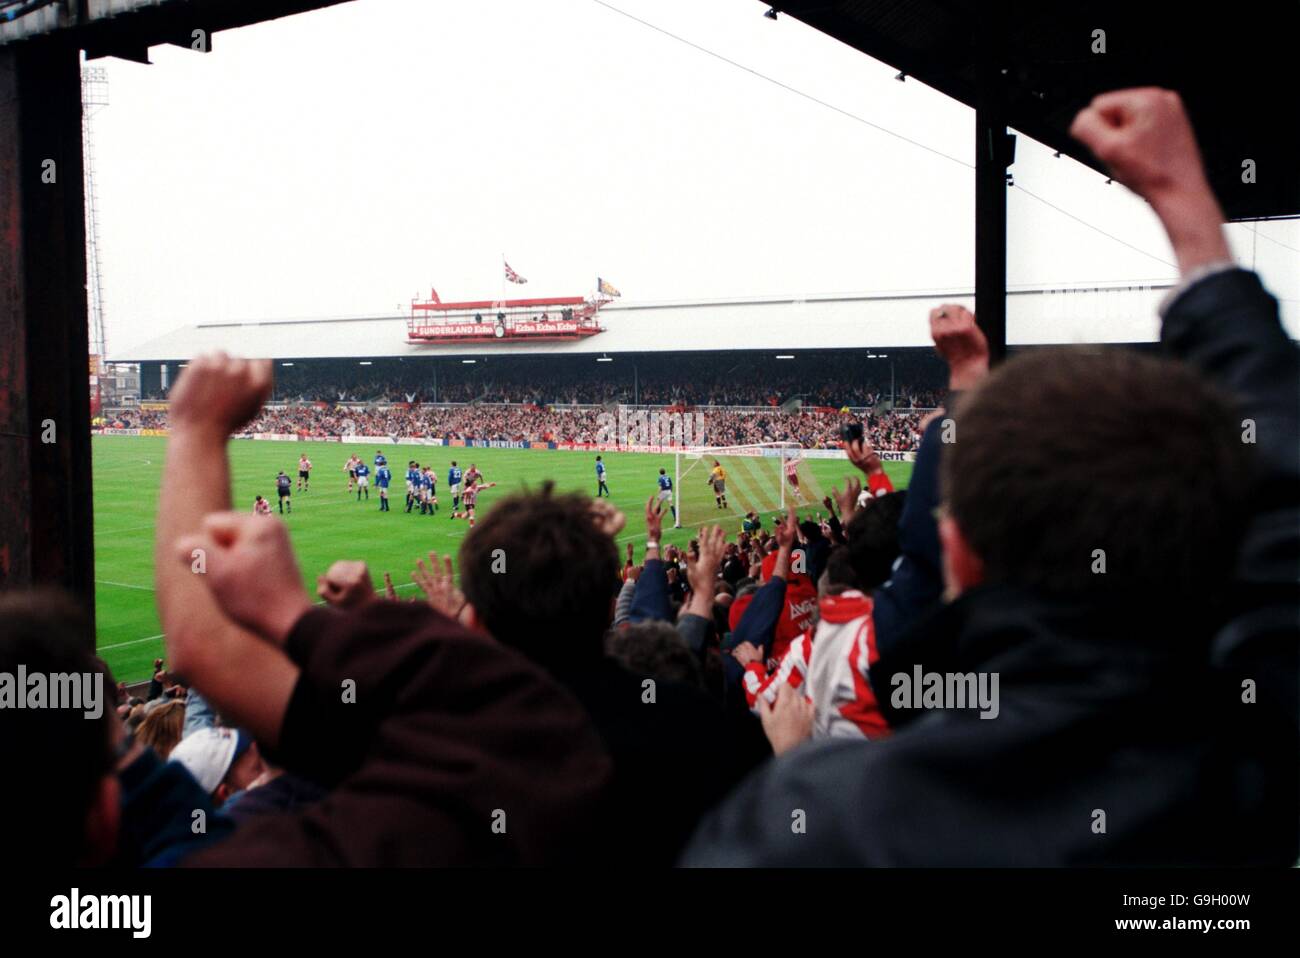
[512,276]
[606,288]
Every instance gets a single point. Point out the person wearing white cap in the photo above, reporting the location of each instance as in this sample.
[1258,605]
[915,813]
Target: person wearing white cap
[223,761]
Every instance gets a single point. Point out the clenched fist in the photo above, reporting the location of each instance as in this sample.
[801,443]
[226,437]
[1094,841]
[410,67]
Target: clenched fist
[1144,138]
[249,567]
[961,343]
[346,584]
[219,394]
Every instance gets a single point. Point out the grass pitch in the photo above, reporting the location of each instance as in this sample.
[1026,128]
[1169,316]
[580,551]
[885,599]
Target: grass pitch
[327,524]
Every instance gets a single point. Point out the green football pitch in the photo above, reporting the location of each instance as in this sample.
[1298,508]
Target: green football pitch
[327,524]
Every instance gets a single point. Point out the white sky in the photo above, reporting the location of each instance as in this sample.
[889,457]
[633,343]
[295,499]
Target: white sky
[342,161]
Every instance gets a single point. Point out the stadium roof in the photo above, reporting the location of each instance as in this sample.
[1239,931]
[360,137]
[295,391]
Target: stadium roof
[1114,313]
[127,28]
[1233,67]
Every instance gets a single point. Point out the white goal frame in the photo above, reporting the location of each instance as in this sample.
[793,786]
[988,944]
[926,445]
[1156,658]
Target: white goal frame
[784,451]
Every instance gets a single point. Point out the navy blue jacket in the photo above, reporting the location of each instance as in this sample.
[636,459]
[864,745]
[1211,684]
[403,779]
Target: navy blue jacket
[1094,714]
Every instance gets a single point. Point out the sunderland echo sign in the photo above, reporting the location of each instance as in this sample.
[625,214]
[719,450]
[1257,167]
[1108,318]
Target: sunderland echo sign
[516,330]
[543,329]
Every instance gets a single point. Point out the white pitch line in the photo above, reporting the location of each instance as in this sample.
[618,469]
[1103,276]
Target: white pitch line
[118,645]
[162,635]
[688,525]
[125,585]
[109,533]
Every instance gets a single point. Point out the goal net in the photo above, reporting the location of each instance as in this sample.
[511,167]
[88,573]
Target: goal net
[762,478]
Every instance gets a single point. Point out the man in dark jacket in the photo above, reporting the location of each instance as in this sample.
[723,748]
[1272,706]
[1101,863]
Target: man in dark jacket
[1119,574]
[540,574]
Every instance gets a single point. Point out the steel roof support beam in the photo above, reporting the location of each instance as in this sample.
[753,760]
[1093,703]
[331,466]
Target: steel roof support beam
[992,157]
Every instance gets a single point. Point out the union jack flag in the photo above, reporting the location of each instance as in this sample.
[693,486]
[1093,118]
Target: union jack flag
[512,276]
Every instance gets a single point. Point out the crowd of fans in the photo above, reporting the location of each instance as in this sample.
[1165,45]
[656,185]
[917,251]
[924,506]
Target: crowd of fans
[812,429]
[135,418]
[1055,620]
[835,379]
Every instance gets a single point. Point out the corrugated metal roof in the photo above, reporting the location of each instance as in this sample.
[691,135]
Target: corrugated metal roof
[1092,314]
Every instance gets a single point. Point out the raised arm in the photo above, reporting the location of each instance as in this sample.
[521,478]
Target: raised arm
[917,582]
[757,624]
[245,679]
[702,573]
[1223,322]
[1220,319]
[650,603]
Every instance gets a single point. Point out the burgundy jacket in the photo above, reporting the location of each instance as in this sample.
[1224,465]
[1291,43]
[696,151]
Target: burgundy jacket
[448,749]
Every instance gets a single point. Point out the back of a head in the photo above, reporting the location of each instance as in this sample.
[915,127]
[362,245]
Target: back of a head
[54,757]
[873,544]
[655,649]
[162,727]
[1070,461]
[542,576]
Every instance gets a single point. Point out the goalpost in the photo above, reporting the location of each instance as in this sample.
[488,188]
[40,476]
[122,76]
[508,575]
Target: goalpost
[758,478]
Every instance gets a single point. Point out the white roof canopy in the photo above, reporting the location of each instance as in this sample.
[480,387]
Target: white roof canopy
[1114,314]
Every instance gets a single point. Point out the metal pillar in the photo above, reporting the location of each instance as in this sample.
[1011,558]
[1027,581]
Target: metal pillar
[994,151]
[46,532]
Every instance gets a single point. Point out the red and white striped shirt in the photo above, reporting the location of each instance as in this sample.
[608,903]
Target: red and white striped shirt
[830,665]
[791,670]
[843,701]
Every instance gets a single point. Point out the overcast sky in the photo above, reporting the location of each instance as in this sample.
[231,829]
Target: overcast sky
[342,161]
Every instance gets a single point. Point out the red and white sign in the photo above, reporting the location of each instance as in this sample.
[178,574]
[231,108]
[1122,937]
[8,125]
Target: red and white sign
[485,330]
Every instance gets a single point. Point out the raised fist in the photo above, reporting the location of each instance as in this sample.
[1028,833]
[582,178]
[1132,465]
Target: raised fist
[346,584]
[220,393]
[249,568]
[961,343]
[1144,138]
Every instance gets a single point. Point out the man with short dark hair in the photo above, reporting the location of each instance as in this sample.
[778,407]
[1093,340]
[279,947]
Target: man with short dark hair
[1112,563]
[872,544]
[675,753]
[656,649]
[1085,474]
